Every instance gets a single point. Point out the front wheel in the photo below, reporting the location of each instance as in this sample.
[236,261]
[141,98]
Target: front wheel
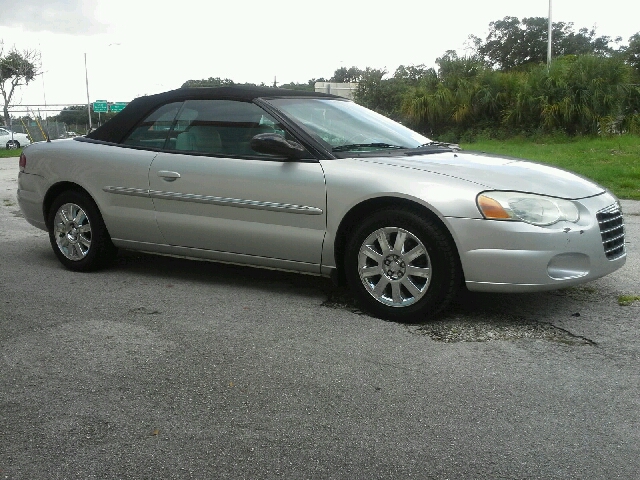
[78,234]
[402,266]
[12,144]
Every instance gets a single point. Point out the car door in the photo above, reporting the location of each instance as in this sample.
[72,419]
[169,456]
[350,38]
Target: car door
[212,191]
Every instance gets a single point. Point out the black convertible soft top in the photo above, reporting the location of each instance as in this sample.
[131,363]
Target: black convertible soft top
[138,109]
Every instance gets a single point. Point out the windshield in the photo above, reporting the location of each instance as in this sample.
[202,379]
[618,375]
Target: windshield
[344,126]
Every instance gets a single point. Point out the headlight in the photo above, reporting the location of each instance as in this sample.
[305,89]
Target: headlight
[525,207]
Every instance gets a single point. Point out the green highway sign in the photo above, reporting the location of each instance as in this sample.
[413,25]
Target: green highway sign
[117,106]
[100,106]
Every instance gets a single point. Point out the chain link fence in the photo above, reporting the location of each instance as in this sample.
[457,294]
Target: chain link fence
[38,130]
[32,120]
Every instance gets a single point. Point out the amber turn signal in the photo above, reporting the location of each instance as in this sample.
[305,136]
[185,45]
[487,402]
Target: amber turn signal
[490,208]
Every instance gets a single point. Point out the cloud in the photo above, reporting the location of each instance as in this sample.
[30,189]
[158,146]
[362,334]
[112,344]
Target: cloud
[56,16]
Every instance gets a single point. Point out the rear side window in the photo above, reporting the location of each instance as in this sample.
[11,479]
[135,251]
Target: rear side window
[154,130]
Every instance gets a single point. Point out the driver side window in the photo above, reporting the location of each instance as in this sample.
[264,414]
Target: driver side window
[221,127]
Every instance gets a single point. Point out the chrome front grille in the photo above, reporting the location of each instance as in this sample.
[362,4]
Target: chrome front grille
[612,231]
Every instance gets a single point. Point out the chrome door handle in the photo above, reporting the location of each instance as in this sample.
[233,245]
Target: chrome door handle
[168,176]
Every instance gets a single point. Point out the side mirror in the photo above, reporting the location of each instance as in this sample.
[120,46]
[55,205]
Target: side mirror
[274,144]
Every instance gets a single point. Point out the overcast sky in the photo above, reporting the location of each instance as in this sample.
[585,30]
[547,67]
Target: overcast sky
[138,47]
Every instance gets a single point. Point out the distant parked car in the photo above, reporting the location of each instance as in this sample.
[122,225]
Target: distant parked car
[315,183]
[72,134]
[13,139]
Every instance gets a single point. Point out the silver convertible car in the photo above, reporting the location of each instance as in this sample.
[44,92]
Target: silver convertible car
[317,184]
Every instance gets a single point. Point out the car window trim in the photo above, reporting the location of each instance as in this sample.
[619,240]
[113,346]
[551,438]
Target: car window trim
[275,158]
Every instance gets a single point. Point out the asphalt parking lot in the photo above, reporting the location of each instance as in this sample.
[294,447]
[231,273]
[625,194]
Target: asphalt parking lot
[168,368]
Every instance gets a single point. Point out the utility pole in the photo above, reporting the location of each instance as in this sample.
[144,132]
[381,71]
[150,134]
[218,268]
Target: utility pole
[549,39]
[86,76]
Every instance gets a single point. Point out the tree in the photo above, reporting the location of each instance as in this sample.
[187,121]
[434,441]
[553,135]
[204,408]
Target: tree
[583,94]
[78,115]
[371,92]
[450,65]
[386,95]
[344,75]
[632,52]
[464,94]
[306,87]
[16,69]
[412,74]
[512,43]
[210,82]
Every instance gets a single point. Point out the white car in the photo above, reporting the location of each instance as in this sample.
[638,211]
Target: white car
[13,139]
[315,183]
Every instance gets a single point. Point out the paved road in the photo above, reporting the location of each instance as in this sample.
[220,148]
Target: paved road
[167,368]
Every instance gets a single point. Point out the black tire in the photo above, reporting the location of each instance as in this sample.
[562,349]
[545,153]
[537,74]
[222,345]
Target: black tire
[12,144]
[77,233]
[399,282]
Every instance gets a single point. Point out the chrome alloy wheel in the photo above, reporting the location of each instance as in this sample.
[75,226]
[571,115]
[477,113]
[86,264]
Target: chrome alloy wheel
[394,267]
[72,231]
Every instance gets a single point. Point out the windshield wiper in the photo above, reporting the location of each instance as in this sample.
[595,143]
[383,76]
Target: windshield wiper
[433,147]
[352,146]
[452,146]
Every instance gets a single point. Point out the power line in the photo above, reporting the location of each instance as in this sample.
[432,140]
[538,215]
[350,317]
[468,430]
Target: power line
[51,105]
[549,38]
[39,110]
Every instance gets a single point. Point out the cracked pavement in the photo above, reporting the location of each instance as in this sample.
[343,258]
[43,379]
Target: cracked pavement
[167,368]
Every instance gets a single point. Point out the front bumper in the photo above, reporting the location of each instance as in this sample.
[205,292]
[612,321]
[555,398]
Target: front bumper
[506,256]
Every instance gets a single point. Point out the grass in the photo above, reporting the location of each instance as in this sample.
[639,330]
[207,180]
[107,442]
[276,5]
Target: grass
[626,300]
[613,162]
[4,153]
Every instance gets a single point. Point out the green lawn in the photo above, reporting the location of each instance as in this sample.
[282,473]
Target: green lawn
[4,153]
[613,162]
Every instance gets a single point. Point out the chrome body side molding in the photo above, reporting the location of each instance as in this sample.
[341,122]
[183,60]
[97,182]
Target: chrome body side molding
[213,200]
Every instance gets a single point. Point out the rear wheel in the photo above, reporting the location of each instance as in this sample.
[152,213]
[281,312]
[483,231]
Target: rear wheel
[11,144]
[78,234]
[402,266]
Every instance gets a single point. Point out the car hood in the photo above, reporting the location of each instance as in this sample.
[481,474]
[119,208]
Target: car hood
[500,173]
